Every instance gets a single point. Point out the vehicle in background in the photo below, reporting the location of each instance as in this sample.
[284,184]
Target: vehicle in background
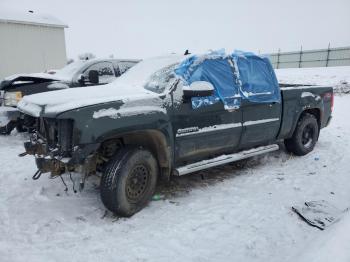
[172,116]
[77,74]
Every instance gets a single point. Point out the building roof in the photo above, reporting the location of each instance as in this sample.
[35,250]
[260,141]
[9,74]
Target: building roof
[30,18]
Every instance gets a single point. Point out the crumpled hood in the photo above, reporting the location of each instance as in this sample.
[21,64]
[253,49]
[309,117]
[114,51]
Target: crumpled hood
[7,81]
[34,75]
[57,102]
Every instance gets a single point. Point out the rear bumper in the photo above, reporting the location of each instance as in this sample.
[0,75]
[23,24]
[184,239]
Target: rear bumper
[8,114]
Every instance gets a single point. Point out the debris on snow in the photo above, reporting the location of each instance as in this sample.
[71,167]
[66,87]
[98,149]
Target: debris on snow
[318,214]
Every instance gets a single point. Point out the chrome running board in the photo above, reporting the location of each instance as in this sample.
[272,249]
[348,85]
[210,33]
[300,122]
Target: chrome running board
[224,159]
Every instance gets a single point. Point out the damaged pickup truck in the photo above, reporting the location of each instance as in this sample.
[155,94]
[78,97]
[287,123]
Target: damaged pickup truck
[77,74]
[169,116]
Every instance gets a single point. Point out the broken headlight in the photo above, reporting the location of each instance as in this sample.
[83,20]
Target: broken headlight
[12,98]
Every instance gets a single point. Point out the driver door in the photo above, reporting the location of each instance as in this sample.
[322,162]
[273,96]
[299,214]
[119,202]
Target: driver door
[204,132]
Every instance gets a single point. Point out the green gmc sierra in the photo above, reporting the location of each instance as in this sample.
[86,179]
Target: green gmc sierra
[172,115]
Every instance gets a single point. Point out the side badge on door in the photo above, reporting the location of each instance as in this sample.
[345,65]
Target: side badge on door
[187,130]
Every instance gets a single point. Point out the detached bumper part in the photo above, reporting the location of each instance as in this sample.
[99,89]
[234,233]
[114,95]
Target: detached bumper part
[34,148]
[53,161]
[52,165]
[44,162]
[8,114]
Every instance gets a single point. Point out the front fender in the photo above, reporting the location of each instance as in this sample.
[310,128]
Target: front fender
[98,123]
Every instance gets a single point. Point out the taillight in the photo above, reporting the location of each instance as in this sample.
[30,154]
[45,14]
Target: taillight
[332,102]
[330,96]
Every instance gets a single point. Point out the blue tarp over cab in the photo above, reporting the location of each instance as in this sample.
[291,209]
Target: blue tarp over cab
[258,80]
[216,69]
[234,77]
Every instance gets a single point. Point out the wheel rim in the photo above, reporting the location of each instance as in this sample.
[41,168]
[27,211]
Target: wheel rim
[308,136]
[137,183]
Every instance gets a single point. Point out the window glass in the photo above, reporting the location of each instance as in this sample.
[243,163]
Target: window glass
[105,72]
[259,83]
[123,67]
[220,74]
[161,79]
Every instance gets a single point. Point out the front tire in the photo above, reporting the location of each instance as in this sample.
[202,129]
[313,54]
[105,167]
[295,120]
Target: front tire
[129,181]
[304,137]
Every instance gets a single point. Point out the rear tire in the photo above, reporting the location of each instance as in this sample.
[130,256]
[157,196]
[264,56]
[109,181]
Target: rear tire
[129,181]
[304,137]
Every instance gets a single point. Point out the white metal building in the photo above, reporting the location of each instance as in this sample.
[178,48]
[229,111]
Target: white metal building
[30,42]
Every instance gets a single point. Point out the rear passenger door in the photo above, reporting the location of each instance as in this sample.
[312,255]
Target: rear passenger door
[261,104]
[261,123]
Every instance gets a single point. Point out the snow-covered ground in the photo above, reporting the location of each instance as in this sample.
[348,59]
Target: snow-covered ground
[237,212]
[338,77]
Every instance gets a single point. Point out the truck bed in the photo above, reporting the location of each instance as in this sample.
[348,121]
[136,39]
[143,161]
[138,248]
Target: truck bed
[297,98]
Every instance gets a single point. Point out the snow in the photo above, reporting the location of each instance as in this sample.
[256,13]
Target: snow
[338,77]
[12,16]
[330,245]
[236,212]
[199,86]
[140,74]
[57,85]
[6,114]
[63,100]
[129,86]
[64,74]
[35,75]
[128,111]
[307,94]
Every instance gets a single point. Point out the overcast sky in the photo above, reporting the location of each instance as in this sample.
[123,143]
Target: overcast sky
[143,28]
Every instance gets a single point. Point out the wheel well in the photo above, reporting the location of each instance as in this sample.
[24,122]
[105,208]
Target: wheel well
[315,112]
[153,140]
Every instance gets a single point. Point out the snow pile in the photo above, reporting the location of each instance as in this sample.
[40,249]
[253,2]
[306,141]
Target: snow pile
[338,77]
[329,245]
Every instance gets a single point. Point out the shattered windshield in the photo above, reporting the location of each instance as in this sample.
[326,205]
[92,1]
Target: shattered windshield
[161,79]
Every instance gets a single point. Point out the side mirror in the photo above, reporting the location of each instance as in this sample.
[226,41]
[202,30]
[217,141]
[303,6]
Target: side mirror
[81,79]
[199,89]
[93,77]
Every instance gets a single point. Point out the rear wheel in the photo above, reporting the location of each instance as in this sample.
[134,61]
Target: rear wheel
[304,137]
[129,181]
